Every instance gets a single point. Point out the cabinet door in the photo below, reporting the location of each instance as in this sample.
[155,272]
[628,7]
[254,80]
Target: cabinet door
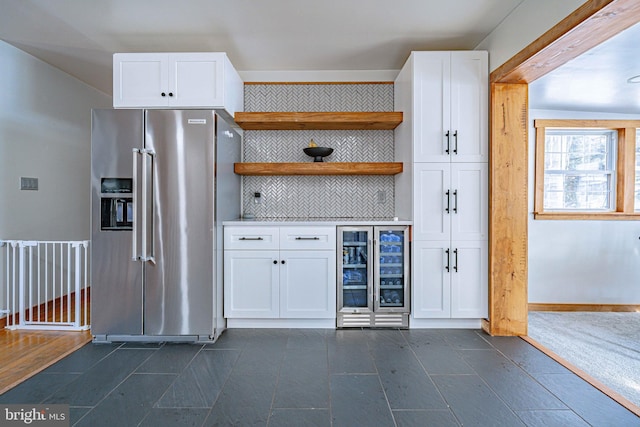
[431,279]
[196,80]
[355,269]
[308,284]
[391,276]
[140,79]
[469,280]
[469,201]
[431,106]
[251,284]
[469,106]
[432,205]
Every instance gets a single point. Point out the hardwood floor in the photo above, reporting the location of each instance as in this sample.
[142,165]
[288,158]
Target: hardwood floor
[25,353]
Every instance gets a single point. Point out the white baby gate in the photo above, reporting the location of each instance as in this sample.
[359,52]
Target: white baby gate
[45,284]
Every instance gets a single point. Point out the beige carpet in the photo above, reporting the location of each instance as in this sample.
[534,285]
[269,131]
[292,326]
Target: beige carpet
[604,345]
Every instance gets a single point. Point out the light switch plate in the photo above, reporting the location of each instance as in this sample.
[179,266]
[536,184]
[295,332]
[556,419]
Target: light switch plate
[28,183]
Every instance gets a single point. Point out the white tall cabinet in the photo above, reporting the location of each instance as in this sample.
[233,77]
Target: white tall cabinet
[443,142]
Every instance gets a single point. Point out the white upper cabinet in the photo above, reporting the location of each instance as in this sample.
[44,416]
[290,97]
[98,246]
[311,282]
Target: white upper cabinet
[450,106]
[469,80]
[176,80]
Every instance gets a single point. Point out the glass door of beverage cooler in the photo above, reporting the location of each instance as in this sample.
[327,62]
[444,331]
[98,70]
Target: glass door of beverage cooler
[392,270]
[355,290]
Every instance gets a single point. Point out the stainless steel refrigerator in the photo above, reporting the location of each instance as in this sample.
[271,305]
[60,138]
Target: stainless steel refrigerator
[162,183]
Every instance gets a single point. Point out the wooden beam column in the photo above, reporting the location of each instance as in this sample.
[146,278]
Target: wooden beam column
[592,23]
[508,210]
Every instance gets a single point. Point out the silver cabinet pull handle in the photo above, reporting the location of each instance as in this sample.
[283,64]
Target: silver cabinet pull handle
[251,238]
[307,238]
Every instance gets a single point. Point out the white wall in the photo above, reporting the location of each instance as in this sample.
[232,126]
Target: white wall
[581,261]
[526,23]
[45,132]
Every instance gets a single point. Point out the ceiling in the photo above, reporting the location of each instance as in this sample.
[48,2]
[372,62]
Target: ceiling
[80,36]
[596,80]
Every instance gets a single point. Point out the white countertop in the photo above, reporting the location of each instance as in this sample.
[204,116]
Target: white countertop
[318,221]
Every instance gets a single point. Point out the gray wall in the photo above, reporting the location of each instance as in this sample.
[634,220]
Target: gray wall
[569,261]
[527,22]
[45,132]
[581,261]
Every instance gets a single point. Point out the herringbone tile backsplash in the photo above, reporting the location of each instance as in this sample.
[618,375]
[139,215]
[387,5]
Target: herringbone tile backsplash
[318,97]
[314,197]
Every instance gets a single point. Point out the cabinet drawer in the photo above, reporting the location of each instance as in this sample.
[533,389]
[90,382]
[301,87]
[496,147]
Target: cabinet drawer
[251,238]
[312,238]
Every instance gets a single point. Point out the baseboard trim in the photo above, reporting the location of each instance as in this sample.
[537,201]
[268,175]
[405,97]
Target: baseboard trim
[626,308]
[588,378]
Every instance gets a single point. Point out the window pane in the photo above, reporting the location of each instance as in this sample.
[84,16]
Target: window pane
[587,151]
[580,169]
[577,191]
[552,160]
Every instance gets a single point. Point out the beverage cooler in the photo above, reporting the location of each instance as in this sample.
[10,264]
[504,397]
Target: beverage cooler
[373,277]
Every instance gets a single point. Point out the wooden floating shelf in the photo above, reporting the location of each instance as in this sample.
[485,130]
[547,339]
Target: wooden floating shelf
[318,168]
[386,120]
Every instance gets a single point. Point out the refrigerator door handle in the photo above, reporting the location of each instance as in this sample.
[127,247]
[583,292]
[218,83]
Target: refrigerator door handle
[134,197]
[147,178]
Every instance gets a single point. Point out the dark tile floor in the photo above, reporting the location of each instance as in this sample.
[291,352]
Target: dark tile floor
[301,377]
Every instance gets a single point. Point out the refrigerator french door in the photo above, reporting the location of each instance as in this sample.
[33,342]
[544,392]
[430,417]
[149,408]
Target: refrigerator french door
[156,270]
[373,276]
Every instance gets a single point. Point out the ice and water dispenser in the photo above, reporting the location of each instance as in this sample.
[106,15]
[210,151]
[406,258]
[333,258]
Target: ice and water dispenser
[116,204]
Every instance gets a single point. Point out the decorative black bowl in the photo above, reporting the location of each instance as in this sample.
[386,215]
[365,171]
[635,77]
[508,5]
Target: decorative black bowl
[318,152]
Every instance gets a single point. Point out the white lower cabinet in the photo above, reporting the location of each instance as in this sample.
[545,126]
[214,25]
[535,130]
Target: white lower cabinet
[279,272]
[450,279]
[251,284]
[307,284]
